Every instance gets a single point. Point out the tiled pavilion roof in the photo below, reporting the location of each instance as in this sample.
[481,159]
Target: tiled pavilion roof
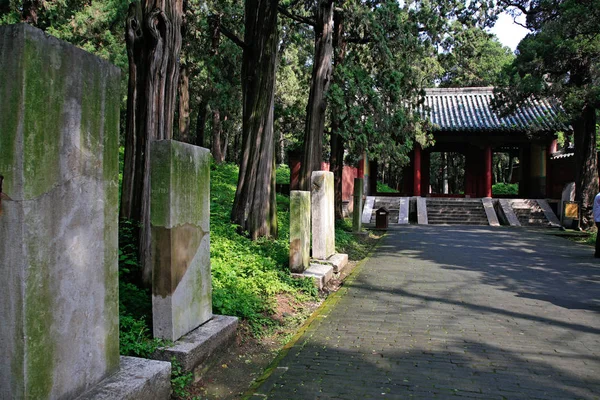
[469,109]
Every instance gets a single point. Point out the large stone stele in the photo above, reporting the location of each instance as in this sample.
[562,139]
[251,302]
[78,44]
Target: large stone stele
[299,230]
[180,215]
[323,218]
[59,139]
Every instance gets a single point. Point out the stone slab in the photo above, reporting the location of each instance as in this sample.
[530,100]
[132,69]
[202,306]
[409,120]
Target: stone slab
[196,348]
[323,216]
[321,274]
[490,213]
[59,139]
[422,211]
[138,379]
[299,230]
[506,207]
[180,230]
[548,213]
[404,210]
[368,209]
[338,261]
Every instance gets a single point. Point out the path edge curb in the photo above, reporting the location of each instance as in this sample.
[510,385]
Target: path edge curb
[327,303]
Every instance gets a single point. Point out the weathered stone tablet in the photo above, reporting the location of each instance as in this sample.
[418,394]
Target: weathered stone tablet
[59,138]
[180,217]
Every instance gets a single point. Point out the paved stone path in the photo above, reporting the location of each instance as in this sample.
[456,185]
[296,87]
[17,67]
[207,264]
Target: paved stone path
[447,312]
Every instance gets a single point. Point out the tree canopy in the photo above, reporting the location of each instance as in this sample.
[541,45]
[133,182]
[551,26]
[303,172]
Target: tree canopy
[560,60]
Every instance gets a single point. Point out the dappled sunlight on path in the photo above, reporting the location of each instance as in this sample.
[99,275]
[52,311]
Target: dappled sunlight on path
[452,311]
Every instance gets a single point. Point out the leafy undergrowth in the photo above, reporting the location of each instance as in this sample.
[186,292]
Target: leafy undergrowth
[250,280]
[247,275]
[383,188]
[505,189]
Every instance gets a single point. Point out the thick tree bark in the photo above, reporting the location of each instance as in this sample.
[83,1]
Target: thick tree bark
[511,165]
[184,104]
[586,164]
[153,38]
[336,160]
[201,123]
[254,207]
[336,163]
[317,101]
[29,13]
[217,129]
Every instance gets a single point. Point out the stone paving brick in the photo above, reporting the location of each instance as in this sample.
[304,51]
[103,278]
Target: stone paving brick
[456,312]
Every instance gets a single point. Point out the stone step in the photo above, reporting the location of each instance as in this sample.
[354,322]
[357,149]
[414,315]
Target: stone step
[458,223]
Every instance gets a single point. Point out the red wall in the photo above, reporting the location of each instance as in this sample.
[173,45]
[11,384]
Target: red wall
[348,175]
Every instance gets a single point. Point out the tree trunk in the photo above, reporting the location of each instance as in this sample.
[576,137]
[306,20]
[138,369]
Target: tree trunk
[586,165]
[253,207]
[29,13]
[511,165]
[337,167]
[201,123]
[216,136]
[336,160]
[184,104]
[445,173]
[153,38]
[317,101]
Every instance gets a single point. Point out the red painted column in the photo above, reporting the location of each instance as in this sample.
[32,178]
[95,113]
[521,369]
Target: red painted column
[487,157]
[425,178]
[468,173]
[417,170]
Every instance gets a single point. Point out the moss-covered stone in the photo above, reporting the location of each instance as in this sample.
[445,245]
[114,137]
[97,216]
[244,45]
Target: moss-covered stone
[180,214]
[299,230]
[59,155]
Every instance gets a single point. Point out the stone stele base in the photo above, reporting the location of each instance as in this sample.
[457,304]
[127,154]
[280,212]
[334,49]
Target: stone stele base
[138,379]
[194,350]
[320,273]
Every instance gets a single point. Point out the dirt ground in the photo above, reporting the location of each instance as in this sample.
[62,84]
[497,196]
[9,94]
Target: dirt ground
[232,375]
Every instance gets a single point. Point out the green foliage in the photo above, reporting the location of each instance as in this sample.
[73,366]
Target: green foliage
[505,189]
[283,174]
[345,241]
[248,274]
[473,57]
[180,379]
[383,188]
[135,302]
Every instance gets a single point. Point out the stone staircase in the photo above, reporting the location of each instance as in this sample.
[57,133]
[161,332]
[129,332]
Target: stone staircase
[392,204]
[456,212]
[529,213]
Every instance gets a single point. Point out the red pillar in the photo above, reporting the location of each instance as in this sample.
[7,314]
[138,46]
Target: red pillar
[417,170]
[469,178]
[425,181]
[488,171]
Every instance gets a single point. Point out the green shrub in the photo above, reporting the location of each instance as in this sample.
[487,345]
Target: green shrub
[248,274]
[505,189]
[283,173]
[383,188]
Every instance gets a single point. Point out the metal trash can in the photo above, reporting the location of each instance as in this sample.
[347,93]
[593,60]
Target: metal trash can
[382,217]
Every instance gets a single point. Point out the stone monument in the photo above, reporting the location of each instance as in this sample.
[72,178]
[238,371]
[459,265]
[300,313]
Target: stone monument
[180,219]
[299,230]
[59,141]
